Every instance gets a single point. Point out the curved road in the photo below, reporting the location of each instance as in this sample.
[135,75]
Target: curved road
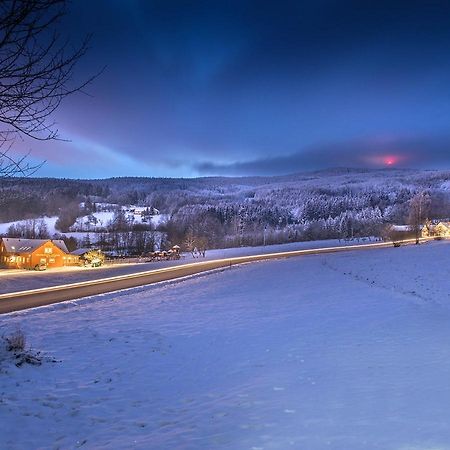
[45,296]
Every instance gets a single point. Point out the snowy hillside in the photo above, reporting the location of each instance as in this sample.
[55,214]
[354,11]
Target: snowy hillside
[102,219]
[230,212]
[84,225]
[49,222]
[339,351]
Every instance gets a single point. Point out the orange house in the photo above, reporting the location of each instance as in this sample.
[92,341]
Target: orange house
[18,253]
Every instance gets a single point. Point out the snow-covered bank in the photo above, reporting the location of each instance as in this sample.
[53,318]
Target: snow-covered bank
[338,351]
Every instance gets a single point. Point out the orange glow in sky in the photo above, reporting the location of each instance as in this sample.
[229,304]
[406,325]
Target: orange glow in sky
[389,160]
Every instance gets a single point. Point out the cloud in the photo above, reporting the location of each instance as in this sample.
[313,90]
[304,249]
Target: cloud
[243,87]
[407,152]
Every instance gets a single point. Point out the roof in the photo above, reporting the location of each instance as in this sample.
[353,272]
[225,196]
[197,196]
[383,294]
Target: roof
[80,251]
[61,245]
[404,227]
[401,227]
[20,245]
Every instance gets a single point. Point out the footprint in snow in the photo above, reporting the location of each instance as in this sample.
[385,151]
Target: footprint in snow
[289,411]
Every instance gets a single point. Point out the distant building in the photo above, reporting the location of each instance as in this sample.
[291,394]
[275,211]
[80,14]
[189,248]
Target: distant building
[141,210]
[80,252]
[89,257]
[402,228]
[442,229]
[429,229]
[402,232]
[18,253]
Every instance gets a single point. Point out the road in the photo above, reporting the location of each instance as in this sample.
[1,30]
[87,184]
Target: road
[16,301]
[21,280]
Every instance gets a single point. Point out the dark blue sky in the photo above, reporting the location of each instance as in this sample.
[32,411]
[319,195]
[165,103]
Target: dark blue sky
[242,88]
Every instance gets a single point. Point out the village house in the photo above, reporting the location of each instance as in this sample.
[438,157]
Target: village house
[442,229]
[429,229]
[141,210]
[89,257]
[18,253]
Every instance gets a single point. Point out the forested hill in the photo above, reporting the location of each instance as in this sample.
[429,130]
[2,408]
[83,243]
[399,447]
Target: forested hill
[27,197]
[313,204]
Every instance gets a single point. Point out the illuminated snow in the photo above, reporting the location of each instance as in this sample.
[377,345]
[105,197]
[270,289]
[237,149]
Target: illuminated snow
[338,351]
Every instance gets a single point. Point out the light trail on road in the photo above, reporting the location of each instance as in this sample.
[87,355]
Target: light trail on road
[16,301]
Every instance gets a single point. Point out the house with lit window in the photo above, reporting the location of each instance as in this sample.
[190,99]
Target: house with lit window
[442,229]
[19,253]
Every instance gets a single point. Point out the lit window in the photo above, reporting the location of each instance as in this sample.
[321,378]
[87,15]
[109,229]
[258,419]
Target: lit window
[48,250]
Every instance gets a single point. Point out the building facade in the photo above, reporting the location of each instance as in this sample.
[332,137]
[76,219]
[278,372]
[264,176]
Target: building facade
[18,253]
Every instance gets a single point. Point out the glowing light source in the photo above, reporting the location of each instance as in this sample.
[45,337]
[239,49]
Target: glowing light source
[388,160]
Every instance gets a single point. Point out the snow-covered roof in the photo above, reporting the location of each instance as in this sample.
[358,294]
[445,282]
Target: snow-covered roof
[61,245]
[401,227]
[80,251]
[20,245]
[404,227]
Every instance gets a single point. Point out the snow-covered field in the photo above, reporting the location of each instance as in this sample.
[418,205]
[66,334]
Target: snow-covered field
[337,351]
[50,223]
[103,219]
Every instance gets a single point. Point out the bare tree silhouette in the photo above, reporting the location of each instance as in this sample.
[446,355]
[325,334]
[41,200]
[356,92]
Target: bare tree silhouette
[36,69]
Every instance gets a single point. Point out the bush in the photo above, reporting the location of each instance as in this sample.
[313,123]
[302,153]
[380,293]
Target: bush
[16,341]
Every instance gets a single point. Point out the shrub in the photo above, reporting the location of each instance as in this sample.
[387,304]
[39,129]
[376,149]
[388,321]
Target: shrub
[16,341]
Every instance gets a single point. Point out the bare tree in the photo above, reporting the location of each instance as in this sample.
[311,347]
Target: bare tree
[36,68]
[189,241]
[418,212]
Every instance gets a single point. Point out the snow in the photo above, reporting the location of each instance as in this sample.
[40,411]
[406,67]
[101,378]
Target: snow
[83,223]
[104,218]
[402,228]
[159,219]
[49,221]
[337,351]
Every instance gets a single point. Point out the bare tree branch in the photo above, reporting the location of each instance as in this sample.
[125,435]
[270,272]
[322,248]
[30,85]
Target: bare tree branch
[36,71]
